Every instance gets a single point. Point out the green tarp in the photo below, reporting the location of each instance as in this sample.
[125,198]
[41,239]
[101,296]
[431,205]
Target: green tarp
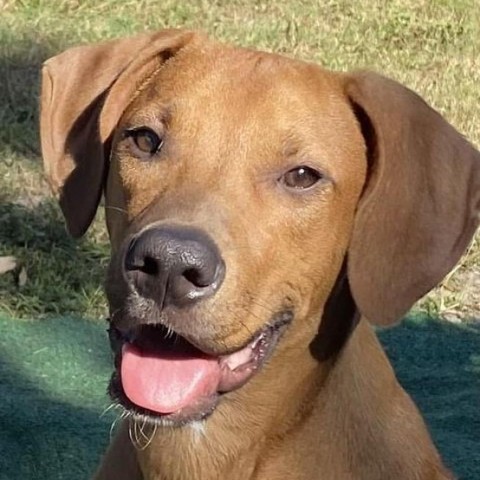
[53,377]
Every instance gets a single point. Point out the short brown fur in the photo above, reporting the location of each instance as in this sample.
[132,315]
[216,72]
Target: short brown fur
[398,205]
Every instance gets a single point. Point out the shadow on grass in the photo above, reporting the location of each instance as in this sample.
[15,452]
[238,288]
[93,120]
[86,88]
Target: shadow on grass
[21,58]
[19,95]
[54,372]
[63,275]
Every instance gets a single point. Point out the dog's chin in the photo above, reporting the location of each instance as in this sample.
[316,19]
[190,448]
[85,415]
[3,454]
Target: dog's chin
[162,378]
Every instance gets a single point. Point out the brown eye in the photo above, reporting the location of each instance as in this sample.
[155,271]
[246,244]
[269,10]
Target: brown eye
[145,140]
[301,178]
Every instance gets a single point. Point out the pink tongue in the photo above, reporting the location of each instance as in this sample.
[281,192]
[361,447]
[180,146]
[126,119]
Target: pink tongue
[165,384]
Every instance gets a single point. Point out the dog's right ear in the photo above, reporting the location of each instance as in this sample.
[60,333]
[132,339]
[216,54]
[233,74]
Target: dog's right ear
[85,90]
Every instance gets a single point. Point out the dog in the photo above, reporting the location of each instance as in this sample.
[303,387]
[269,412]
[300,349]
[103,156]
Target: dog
[264,215]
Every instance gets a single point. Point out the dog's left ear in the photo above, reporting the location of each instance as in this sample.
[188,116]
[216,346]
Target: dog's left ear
[421,204]
[84,92]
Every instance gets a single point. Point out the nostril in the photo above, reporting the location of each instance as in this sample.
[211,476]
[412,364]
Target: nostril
[209,274]
[136,261]
[147,265]
[195,277]
[150,266]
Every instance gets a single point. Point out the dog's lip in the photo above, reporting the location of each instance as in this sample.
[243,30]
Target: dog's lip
[134,336]
[237,366]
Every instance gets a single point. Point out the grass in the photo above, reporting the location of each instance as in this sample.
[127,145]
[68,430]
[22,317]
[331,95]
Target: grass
[431,45]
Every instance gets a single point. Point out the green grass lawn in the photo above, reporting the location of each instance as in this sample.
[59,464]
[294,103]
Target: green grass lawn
[54,366]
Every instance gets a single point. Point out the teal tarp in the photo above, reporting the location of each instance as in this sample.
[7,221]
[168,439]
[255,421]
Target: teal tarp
[54,373]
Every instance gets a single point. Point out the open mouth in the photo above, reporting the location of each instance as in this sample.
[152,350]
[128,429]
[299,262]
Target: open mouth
[160,375]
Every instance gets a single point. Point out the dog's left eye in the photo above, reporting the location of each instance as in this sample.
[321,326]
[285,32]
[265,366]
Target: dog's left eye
[146,141]
[301,178]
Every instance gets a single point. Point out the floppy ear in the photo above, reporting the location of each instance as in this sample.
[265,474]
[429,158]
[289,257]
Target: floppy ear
[421,204]
[84,92]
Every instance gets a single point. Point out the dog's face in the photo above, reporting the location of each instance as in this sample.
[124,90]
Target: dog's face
[238,185]
[230,224]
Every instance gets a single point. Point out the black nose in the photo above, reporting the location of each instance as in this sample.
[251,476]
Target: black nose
[174,265]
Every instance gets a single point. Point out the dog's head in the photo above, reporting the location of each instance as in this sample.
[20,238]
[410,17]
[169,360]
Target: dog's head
[240,188]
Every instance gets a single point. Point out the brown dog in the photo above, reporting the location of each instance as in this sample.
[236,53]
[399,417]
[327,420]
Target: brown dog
[260,210]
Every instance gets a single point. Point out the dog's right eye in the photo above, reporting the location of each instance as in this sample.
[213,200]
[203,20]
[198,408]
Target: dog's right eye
[301,178]
[145,141]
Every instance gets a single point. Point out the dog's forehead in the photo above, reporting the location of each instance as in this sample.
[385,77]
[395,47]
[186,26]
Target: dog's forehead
[238,86]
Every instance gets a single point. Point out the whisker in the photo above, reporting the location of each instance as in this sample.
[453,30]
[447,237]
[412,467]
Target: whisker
[110,407]
[115,313]
[148,438]
[135,429]
[130,435]
[122,416]
[117,209]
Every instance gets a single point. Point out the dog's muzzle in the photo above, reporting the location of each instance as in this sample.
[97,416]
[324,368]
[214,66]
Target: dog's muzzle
[159,372]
